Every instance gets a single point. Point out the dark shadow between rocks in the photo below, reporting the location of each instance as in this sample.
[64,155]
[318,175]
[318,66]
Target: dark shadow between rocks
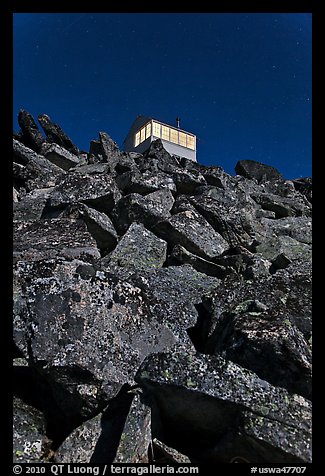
[31,387]
[200,332]
[112,423]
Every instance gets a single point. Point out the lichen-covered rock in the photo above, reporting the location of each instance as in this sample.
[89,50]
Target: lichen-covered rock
[136,434]
[173,293]
[90,169]
[147,209]
[192,231]
[100,227]
[60,156]
[42,239]
[187,182]
[30,443]
[157,158]
[143,183]
[180,255]
[298,228]
[125,163]
[110,150]
[243,415]
[31,135]
[38,171]
[139,249]
[214,175]
[31,206]
[282,250]
[304,186]
[80,445]
[233,217]
[54,133]
[256,170]
[257,322]
[252,337]
[242,261]
[283,206]
[87,334]
[96,441]
[98,191]
[163,454]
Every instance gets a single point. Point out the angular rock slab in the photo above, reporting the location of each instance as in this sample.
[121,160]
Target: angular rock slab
[91,169]
[97,190]
[266,320]
[135,182]
[39,172]
[31,206]
[100,227]
[283,206]
[109,149]
[59,237]
[80,445]
[253,337]
[60,156]
[163,453]
[240,260]
[180,255]
[136,435]
[32,136]
[56,134]
[139,249]
[298,228]
[193,232]
[187,182]
[15,195]
[96,441]
[230,214]
[214,175]
[87,334]
[289,249]
[30,443]
[147,209]
[256,170]
[304,186]
[243,415]
[172,294]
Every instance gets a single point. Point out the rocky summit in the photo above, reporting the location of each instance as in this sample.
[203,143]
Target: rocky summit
[162,308]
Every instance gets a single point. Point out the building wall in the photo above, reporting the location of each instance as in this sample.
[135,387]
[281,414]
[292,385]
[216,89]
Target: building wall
[175,149]
[141,148]
[129,140]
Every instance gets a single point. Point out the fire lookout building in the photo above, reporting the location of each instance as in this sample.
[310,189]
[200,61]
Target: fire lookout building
[176,141]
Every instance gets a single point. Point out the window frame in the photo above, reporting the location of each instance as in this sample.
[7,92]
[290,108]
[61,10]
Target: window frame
[155,128]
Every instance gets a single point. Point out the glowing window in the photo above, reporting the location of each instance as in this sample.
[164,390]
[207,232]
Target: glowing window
[174,136]
[148,130]
[182,139]
[165,132]
[142,134]
[137,139]
[190,142]
[156,129]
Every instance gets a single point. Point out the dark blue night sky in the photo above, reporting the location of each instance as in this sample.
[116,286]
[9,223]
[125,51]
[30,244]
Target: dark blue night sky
[240,82]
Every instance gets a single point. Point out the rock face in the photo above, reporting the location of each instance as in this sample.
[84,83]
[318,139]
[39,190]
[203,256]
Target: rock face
[161,307]
[60,156]
[30,444]
[31,135]
[56,135]
[255,170]
[139,249]
[242,415]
